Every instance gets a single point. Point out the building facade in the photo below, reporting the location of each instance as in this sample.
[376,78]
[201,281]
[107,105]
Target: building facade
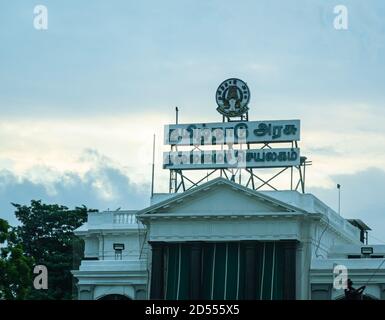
[221,240]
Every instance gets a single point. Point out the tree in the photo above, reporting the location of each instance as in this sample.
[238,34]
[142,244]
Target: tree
[46,233]
[15,268]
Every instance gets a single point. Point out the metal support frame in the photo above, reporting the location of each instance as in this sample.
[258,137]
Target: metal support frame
[251,181]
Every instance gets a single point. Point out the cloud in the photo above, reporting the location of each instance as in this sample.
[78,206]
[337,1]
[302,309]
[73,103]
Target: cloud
[93,81]
[103,186]
[107,185]
[362,197]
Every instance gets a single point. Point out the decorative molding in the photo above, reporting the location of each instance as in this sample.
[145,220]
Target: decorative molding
[218,181]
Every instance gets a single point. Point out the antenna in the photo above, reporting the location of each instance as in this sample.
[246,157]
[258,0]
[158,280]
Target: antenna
[153,167]
[339,198]
[176,115]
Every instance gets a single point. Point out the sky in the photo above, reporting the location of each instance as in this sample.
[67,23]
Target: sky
[80,101]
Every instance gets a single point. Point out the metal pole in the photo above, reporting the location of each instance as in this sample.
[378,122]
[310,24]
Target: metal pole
[176,149]
[176,181]
[153,167]
[291,172]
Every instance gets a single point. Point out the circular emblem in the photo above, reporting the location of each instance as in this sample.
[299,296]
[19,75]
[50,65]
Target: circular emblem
[232,97]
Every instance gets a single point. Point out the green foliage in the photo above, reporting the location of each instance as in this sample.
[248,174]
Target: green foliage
[15,268]
[45,237]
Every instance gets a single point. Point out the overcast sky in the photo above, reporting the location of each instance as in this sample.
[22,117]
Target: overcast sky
[80,102]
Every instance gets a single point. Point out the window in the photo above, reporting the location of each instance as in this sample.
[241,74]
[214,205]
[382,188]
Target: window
[118,247]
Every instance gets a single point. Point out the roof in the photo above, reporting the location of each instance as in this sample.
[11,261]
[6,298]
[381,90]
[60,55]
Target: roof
[359,223]
[178,198]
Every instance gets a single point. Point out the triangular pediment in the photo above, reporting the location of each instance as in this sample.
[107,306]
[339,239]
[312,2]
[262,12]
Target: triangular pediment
[220,197]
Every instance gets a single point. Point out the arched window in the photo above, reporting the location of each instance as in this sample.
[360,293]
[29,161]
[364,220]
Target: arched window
[114,297]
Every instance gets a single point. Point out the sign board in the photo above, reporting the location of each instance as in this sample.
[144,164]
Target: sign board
[232,132]
[221,159]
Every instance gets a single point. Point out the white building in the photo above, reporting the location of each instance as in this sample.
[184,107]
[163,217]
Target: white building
[104,271]
[221,240]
